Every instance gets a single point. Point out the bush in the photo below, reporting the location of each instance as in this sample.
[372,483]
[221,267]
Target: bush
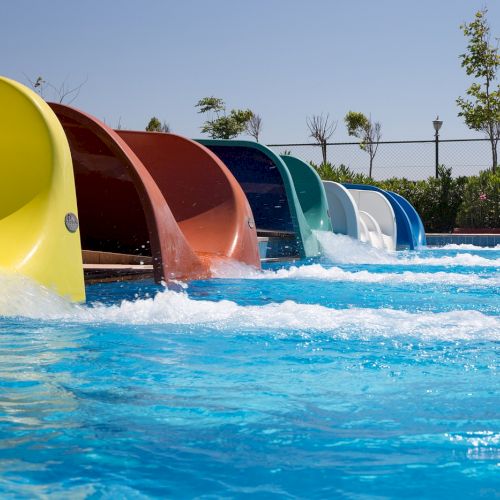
[436,200]
[329,172]
[443,203]
[480,206]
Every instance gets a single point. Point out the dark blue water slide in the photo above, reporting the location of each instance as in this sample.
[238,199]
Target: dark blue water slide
[269,187]
[417,226]
[261,181]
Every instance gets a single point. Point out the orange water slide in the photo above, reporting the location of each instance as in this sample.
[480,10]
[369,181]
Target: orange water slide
[207,201]
[124,206]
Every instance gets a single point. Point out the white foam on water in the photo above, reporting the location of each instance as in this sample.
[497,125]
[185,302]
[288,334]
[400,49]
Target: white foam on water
[176,308]
[341,249]
[235,270]
[20,296]
[316,271]
[461,259]
[464,246]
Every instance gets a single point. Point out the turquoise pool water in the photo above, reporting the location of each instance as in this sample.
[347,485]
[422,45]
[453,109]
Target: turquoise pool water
[363,374]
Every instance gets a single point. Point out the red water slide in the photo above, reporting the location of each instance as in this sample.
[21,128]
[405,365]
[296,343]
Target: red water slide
[207,201]
[170,199]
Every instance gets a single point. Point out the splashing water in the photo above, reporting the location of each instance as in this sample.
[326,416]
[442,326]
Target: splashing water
[465,246]
[334,273]
[342,249]
[349,376]
[20,296]
[177,308]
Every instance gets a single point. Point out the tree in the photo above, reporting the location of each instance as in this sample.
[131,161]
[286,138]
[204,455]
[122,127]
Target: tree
[481,111]
[220,124]
[321,129]
[155,125]
[368,132]
[254,126]
[165,127]
[62,93]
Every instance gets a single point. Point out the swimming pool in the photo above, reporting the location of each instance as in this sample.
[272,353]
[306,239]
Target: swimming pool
[365,373]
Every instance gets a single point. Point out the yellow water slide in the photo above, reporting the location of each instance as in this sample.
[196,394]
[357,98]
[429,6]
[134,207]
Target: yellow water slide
[39,235]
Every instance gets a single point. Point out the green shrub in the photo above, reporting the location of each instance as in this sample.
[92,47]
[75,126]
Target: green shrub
[480,206]
[436,200]
[329,172]
[443,203]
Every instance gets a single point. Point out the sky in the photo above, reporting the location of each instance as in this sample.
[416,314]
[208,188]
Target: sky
[396,60]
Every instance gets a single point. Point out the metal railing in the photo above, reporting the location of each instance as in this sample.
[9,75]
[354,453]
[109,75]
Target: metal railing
[414,160]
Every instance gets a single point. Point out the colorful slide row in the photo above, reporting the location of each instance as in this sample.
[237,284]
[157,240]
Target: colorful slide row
[285,194]
[76,195]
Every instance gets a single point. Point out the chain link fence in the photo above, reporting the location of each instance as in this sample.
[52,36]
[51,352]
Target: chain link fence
[414,160]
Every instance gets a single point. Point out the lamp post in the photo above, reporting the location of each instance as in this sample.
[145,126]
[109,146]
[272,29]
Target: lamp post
[437,125]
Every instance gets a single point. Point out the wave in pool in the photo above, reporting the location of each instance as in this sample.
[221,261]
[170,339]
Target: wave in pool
[236,270]
[465,246]
[176,308]
[342,249]
[21,296]
[461,259]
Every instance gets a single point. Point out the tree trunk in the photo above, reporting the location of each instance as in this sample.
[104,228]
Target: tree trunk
[371,167]
[323,152]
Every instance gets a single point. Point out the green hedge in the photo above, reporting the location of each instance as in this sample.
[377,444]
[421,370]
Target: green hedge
[443,203]
[480,202]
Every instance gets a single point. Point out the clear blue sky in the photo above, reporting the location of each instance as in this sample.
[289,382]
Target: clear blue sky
[395,59]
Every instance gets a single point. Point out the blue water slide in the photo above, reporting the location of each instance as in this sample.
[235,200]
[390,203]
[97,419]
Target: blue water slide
[417,226]
[406,239]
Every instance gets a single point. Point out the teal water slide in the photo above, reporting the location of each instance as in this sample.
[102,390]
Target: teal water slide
[285,194]
[311,193]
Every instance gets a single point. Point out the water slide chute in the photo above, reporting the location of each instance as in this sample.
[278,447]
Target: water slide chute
[39,234]
[417,226]
[269,188]
[310,192]
[206,200]
[373,231]
[364,233]
[405,237]
[363,215]
[122,209]
[378,215]
[344,213]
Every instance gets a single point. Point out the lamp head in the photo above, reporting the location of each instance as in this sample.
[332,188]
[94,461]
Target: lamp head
[437,124]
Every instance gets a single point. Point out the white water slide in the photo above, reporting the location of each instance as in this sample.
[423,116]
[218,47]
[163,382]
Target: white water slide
[364,215]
